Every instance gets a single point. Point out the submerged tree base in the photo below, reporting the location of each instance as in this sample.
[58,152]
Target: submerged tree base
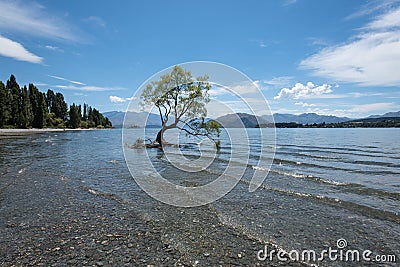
[153,144]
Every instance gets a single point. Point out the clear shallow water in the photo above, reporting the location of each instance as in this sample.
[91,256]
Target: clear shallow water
[324,184]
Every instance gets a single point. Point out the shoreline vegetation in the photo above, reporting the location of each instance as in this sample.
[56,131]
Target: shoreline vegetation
[27,107]
[384,122]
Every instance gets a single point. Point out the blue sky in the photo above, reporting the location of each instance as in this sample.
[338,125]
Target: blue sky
[330,57]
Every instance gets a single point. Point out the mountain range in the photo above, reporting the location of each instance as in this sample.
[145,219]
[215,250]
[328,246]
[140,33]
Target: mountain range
[386,115]
[138,119]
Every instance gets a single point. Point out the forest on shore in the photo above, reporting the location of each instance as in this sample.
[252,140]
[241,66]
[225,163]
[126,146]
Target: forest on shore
[27,107]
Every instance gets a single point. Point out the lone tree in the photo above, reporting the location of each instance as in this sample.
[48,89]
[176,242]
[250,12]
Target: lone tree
[181,103]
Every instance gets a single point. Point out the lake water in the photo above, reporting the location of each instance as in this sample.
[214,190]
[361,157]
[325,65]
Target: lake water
[324,184]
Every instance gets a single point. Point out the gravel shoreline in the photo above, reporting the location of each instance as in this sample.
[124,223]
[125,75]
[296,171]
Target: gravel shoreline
[10,133]
[53,221]
[47,222]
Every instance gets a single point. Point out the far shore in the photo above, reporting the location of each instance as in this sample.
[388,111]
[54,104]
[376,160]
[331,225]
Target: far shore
[19,132]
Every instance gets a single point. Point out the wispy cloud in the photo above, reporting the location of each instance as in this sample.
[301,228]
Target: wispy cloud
[67,80]
[96,21]
[372,7]
[117,99]
[80,86]
[279,81]
[53,48]
[371,58]
[317,41]
[262,44]
[15,50]
[90,88]
[218,91]
[32,19]
[374,107]
[300,91]
[289,2]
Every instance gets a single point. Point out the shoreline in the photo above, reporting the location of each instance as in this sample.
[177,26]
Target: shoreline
[5,133]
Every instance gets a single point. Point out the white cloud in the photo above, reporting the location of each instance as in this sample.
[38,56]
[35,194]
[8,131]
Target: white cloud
[12,49]
[299,91]
[32,18]
[303,104]
[117,99]
[262,44]
[388,20]
[371,58]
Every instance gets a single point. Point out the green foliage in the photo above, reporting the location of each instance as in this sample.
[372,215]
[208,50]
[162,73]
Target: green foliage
[56,104]
[54,122]
[39,107]
[15,98]
[28,107]
[84,124]
[26,116]
[5,111]
[74,116]
[181,103]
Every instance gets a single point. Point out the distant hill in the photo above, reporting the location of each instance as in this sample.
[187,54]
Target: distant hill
[376,120]
[134,119]
[138,119]
[386,115]
[232,120]
[250,121]
[308,118]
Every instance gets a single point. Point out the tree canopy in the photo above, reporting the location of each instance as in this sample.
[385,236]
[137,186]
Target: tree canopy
[181,103]
[28,107]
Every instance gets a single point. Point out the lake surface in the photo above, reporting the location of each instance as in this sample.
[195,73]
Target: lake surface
[324,184]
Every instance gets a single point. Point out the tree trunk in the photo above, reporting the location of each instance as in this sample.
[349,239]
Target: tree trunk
[159,138]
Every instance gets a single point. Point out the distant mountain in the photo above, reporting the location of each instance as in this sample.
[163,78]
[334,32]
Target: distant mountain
[142,119]
[308,118]
[386,115]
[250,121]
[134,119]
[239,119]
